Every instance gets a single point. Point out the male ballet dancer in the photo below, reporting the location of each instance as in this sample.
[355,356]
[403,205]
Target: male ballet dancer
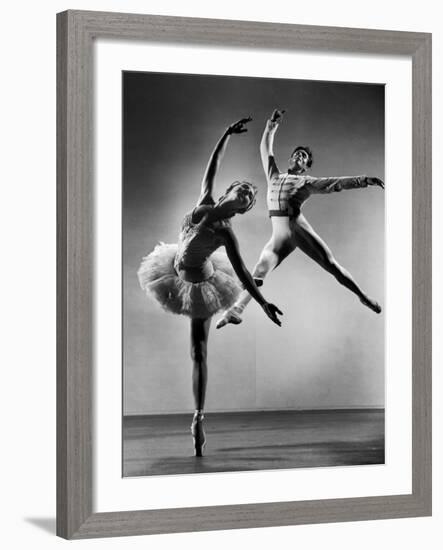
[290,229]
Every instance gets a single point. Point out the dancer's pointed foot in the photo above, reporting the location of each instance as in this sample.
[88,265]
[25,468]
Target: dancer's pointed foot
[371,304]
[230,316]
[198,433]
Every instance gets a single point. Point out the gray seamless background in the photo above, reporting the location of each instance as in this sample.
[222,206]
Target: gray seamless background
[330,351]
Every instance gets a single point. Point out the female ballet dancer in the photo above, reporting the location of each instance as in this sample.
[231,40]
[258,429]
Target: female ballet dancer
[191,278]
[290,229]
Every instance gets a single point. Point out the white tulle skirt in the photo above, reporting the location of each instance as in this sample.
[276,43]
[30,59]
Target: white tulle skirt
[160,281]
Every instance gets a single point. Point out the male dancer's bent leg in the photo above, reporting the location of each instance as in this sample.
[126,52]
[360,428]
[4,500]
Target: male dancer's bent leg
[313,246]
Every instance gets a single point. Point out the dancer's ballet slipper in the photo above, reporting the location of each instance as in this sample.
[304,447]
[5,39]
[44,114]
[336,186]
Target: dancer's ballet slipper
[371,304]
[198,433]
[230,316]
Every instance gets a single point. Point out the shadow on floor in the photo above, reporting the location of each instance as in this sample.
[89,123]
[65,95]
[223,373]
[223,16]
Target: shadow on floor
[45,524]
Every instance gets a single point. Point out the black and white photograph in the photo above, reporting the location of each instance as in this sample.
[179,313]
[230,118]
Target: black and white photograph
[253,274]
[221,301]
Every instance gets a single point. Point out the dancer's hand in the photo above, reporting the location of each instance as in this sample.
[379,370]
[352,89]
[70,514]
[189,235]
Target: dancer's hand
[375,181]
[271,311]
[239,126]
[277,116]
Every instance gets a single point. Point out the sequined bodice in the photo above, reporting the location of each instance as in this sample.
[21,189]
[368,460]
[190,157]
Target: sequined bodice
[196,243]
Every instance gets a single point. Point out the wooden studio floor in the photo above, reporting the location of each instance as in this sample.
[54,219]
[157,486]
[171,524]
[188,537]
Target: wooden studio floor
[162,444]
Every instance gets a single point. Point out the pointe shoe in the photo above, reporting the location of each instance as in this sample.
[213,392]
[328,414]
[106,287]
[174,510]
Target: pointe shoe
[229,317]
[198,434]
[371,304]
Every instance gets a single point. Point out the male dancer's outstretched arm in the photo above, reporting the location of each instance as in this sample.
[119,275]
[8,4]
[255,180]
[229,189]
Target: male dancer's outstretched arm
[337,183]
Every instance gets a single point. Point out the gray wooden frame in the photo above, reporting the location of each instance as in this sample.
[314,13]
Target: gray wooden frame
[76,31]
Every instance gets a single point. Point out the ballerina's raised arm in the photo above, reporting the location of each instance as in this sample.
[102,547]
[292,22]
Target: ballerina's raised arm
[208,182]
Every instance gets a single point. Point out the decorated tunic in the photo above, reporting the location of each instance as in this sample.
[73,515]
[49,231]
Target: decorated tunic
[287,192]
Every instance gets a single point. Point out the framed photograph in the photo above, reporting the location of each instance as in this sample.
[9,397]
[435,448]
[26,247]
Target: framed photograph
[244,274]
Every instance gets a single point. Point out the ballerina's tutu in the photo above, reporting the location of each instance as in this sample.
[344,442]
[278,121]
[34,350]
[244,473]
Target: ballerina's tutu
[160,281]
